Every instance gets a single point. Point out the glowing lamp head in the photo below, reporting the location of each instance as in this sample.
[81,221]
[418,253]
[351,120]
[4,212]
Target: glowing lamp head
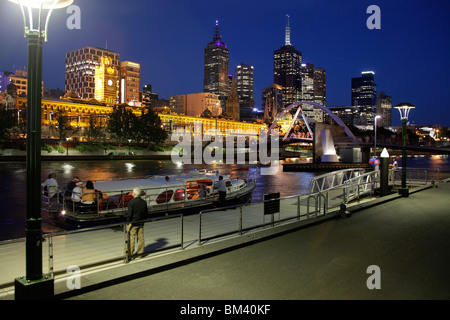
[404,108]
[44,4]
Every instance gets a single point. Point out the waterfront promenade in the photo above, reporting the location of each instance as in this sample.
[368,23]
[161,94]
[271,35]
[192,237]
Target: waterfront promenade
[407,238]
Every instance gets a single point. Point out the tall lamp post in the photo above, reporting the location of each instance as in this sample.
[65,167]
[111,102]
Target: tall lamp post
[35,285]
[404,108]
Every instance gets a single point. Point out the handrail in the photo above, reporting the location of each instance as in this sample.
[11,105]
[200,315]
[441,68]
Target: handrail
[333,179]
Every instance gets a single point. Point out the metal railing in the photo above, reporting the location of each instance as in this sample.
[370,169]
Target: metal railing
[333,179]
[354,187]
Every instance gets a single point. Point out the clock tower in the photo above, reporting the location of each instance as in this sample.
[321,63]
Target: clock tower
[106,77]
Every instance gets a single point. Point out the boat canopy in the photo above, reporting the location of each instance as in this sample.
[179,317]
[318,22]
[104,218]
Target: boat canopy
[117,187]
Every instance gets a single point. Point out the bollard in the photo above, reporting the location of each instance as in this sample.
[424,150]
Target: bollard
[384,173]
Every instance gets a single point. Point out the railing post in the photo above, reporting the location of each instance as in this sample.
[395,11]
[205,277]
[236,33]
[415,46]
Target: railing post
[298,207]
[182,232]
[199,228]
[240,220]
[126,240]
[50,255]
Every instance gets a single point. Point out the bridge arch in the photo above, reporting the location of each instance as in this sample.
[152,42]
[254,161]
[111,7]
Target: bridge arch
[314,104]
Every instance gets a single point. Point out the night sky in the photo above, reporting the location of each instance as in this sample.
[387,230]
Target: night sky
[409,54]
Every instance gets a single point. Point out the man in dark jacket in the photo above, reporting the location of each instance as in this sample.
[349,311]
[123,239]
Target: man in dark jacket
[137,211]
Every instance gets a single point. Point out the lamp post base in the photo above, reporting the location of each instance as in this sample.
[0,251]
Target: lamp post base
[404,192]
[42,289]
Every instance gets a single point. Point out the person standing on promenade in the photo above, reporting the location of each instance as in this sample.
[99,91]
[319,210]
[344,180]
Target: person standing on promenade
[222,188]
[137,211]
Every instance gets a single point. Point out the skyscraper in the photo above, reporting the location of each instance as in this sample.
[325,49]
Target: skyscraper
[216,68]
[80,70]
[364,96]
[130,79]
[384,109]
[245,89]
[314,90]
[287,62]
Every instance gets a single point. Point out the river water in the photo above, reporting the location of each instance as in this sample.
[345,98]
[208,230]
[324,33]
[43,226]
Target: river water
[13,181]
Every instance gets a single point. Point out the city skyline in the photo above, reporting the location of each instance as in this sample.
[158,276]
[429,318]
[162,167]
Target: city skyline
[168,38]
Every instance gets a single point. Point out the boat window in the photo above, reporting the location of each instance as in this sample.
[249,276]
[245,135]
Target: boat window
[228,183]
[164,196]
[179,195]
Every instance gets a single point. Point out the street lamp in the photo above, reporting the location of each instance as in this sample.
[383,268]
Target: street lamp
[404,108]
[375,139]
[35,285]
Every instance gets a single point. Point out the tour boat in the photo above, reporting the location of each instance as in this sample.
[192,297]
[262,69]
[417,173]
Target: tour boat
[165,195]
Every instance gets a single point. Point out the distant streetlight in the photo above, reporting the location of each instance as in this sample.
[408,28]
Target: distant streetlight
[67,146]
[375,138]
[404,108]
[35,285]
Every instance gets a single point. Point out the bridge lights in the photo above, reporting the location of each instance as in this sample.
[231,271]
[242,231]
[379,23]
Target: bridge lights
[404,108]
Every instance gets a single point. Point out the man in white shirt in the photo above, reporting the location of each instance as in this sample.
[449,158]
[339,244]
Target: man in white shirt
[51,184]
[222,188]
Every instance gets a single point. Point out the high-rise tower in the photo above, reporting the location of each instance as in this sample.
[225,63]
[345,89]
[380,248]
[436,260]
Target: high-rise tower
[287,63]
[80,70]
[364,97]
[216,68]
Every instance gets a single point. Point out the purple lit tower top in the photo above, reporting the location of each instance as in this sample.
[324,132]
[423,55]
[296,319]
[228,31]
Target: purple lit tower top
[216,67]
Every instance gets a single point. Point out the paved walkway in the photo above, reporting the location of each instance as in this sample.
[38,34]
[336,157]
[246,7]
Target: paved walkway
[407,238]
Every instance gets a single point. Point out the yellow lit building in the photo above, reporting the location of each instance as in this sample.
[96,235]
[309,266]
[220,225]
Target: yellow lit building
[106,81]
[79,111]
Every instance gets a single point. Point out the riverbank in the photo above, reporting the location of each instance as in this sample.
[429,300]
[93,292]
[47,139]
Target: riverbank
[10,155]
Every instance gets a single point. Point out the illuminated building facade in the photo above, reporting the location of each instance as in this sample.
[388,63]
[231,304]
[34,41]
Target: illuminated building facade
[272,101]
[148,96]
[106,78]
[19,78]
[244,77]
[364,96]
[80,70]
[216,68]
[79,112]
[195,104]
[287,63]
[384,109]
[172,121]
[130,79]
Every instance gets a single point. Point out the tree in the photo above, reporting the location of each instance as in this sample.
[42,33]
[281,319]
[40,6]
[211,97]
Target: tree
[94,131]
[6,121]
[122,123]
[64,127]
[150,128]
